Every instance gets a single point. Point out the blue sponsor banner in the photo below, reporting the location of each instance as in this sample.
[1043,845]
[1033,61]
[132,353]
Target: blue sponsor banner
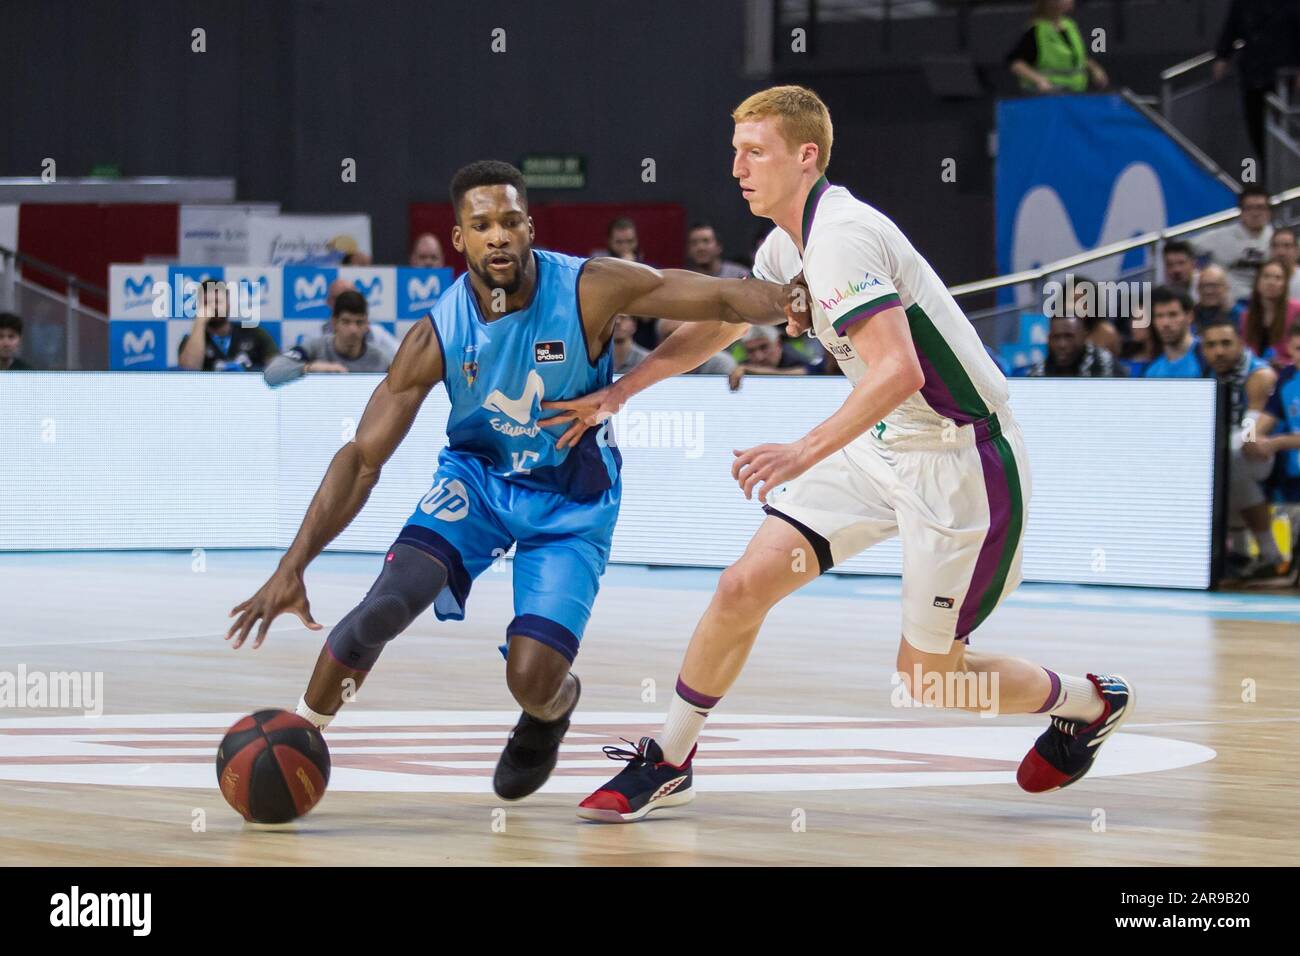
[290,301]
[1078,172]
[419,289]
[135,344]
[305,291]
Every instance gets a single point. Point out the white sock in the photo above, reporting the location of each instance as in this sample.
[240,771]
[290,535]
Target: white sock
[1079,699]
[320,721]
[1268,550]
[686,716]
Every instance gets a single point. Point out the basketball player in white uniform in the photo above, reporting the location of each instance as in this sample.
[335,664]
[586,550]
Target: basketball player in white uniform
[925,447]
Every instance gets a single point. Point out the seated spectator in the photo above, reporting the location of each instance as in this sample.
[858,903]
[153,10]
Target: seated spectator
[357,258]
[1070,354]
[621,241]
[1212,305]
[1277,430]
[1283,248]
[1241,246]
[720,364]
[345,350]
[1270,313]
[376,335]
[1102,332]
[627,354]
[1250,382]
[704,254]
[1050,56]
[426,252]
[11,343]
[767,354]
[1142,346]
[214,343]
[1180,266]
[1180,352]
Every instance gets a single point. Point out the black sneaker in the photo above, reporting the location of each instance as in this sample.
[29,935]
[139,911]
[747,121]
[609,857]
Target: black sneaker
[646,783]
[1067,749]
[531,752]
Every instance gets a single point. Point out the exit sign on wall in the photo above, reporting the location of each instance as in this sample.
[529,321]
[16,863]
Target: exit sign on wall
[567,171]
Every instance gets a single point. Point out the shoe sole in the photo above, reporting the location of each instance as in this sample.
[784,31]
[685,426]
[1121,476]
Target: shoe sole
[1128,709]
[613,816]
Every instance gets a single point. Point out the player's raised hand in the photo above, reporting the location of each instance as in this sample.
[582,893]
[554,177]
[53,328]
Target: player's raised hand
[583,411]
[283,591]
[771,465]
[798,317]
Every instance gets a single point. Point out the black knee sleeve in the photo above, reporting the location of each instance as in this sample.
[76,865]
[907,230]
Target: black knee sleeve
[405,588]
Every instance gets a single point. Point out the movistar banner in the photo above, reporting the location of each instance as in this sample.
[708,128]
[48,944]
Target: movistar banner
[151,307]
[1078,172]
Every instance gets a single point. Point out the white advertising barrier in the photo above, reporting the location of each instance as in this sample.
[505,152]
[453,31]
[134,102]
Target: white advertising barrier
[218,235]
[1122,470]
[308,240]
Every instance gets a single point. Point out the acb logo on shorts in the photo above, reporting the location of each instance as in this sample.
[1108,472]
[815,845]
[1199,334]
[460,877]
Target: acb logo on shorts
[447,500]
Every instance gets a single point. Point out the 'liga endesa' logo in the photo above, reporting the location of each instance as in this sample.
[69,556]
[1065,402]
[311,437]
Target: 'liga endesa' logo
[456,751]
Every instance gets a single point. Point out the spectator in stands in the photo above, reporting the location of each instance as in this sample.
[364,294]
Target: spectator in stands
[1180,266]
[1070,354]
[214,343]
[345,350]
[627,354]
[1180,352]
[720,364]
[358,258]
[1271,313]
[1143,345]
[1277,430]
[767,354]
[1241,246]
[1283,247]
[704,254]
[376,335]
[11,343]
[1050,56]
[427,252]
[1212,303]
[1250,382]
[1271,31]
[1102,332]
[621,240]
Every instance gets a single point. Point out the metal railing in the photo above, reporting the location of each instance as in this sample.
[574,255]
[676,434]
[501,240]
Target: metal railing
[65,351]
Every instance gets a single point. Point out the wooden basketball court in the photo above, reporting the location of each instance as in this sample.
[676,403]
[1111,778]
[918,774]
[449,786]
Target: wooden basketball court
[805,762]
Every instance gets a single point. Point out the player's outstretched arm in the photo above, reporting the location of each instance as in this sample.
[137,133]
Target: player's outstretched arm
[348,481]
[893,374]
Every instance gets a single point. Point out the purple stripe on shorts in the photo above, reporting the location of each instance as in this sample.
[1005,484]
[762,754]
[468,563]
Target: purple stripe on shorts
[999,497]
[694,697]
[1051,694]
[935,391]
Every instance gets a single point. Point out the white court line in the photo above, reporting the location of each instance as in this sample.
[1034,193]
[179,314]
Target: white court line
[158,637]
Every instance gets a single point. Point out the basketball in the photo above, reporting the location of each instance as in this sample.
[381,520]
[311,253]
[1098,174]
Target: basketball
[272,766]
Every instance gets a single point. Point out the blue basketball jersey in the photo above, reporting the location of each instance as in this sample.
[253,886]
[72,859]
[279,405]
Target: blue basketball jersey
[1284,405]
[499,372]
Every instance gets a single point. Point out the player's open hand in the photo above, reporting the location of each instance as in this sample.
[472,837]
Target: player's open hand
[769,465]
[283,591]
[583,412]
[798,316]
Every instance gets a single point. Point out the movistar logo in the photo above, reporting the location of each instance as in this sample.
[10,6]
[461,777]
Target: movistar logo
[851,288]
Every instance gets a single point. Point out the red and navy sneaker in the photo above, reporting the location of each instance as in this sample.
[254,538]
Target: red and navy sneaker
[1066,750]
[647,783]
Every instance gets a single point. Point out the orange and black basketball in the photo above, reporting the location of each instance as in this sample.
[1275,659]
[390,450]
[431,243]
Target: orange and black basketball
[272,766]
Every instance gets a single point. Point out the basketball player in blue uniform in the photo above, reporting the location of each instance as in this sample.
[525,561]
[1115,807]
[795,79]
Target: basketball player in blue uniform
[523,325]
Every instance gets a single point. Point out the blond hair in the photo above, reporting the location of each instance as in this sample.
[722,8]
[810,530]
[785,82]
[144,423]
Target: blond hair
[804,117]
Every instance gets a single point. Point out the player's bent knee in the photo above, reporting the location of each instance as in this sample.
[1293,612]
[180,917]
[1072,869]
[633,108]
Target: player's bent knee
[408,584]
[740,590]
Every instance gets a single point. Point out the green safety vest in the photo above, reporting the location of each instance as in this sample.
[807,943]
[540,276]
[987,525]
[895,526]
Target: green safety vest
[1060,57]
